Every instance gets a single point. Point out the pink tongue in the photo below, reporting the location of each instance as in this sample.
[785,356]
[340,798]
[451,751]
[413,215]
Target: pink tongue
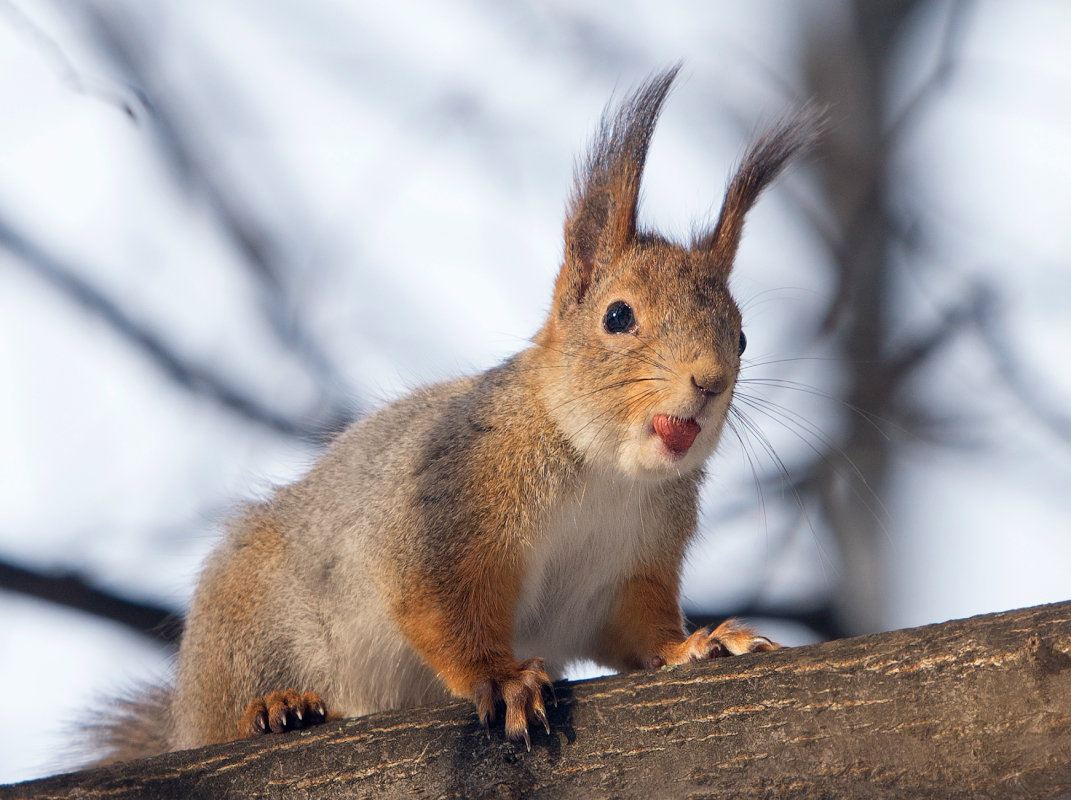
[676,434]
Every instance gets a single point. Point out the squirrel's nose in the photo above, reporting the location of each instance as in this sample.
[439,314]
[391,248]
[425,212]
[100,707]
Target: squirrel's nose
[710,385]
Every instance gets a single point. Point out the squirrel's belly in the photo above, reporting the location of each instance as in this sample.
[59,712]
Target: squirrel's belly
[577,564]
[563,628]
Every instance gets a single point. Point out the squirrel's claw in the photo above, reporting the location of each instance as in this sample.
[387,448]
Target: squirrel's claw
[519,686]
[484,698]
[736,639]
[278,712]
[541,715]
[731,638]
[255,719]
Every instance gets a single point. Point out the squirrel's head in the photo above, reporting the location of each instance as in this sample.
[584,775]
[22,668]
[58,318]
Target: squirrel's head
[641,350]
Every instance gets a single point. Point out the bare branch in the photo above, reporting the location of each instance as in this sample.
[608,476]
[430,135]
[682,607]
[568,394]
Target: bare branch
[952,36]
[911,356]
[71,590]
[1028,389]
[182,146]
[102,90]
[193,378]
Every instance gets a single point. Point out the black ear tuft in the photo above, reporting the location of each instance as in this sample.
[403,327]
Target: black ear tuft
[765,159]
[602,212]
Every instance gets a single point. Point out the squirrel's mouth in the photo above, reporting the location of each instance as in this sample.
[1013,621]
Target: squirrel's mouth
[676,434]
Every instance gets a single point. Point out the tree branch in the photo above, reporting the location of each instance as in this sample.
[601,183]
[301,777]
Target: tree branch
[182,145]
[194,378]
[72,591]
[971,708]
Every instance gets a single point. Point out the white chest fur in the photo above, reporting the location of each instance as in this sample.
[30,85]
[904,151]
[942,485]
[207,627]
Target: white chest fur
[576,564]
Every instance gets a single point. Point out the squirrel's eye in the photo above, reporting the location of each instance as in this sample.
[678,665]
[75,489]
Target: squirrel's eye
[743,344]
[619,317]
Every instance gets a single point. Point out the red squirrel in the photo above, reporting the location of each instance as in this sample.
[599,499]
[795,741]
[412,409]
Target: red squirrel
[474,537]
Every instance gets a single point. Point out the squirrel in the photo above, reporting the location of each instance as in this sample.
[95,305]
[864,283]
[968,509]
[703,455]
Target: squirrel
[474,537]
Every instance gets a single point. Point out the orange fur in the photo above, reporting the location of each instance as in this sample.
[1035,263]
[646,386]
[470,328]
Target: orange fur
[282,711]
[730,638]
[646,622]
[647,629]
[236,601]
[462,626]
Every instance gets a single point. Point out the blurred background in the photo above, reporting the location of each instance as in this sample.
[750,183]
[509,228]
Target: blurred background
[228,228]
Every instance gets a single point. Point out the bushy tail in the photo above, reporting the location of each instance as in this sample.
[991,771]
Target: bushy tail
[134,726]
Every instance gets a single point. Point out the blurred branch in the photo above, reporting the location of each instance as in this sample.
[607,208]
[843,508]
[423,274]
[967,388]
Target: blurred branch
[980,312]
[181,143]
[1025,387]
[72,77]
[868,179]
[190,377]
[938,79]
[846,67]
[911,356]
[72,591]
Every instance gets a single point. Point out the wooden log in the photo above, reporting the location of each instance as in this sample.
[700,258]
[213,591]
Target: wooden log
[970,708]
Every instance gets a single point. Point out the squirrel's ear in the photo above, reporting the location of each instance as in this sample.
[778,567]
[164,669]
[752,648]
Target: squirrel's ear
[764,160]
[601,221]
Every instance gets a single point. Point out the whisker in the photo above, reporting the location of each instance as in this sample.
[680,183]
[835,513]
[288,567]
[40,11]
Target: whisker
[798,425]
[749,363]
[770,295]
[604,388]
[874,420]
[793,418]
[748,452]
[611,413]
[658,357]
[767,446]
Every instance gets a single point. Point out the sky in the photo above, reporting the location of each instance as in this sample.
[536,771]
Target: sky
[410,164]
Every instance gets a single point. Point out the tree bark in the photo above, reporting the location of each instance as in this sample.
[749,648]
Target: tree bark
[970,708]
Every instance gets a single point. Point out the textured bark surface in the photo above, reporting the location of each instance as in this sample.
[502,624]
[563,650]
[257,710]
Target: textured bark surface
[970,708]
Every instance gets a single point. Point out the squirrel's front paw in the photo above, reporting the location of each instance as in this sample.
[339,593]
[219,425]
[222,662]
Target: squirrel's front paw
[520,686]
[731,638]
[277,712]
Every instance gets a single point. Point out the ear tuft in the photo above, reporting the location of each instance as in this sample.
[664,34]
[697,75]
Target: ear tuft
[765,159]
[601,219]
